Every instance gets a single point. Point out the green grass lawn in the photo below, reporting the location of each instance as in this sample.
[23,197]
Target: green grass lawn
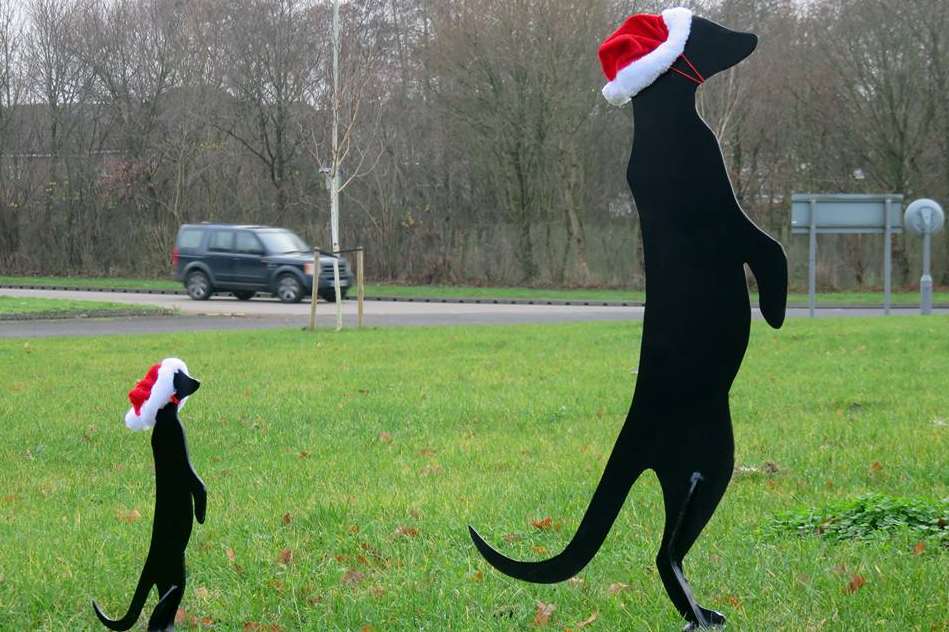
[11,306]
[342,471]
[453,291]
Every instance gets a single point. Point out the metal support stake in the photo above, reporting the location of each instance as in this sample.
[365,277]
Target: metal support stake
[926,282]
[360,285]
[887,259]
[314,292]
[812,262]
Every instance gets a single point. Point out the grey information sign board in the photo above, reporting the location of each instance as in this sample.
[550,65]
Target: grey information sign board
[815,214]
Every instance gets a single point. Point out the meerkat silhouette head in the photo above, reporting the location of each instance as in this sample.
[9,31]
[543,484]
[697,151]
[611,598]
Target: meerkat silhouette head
[167,382]
[713,48]
[647,47]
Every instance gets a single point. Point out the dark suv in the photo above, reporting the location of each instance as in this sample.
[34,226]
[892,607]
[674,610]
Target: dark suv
[244,260]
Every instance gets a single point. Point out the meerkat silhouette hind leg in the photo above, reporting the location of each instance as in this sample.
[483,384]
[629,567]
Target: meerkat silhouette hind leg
[688,509]
[163,616]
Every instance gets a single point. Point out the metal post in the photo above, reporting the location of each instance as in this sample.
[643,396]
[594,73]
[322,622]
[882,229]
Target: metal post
[316,286]
[887,259]
[812,262]
[335,176]
[926,282]
[360,285]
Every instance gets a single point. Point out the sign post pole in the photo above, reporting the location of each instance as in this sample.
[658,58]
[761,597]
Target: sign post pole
[812,262]
[887,259]
[926,282]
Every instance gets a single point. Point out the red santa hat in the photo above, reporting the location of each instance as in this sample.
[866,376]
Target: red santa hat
[641,50]
[153,392]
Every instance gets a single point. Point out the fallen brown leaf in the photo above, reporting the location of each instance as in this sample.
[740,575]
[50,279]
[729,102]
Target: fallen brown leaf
[128,517]
[426,452]
[408,532]
[183,617]
[919,548]
[432,469]
[287,518]
[875,467]
[277,585]
[543,524]
[589,620]
[618,587]
[303,454]
[855,584]
[478,576]
[253,626]
[543,612]
[352,577]
[229,552]
[734,601]
[285,557]
[539,550]
[385,437]
[511,537]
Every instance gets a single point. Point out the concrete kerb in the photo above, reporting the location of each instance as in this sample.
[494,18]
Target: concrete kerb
[431,299]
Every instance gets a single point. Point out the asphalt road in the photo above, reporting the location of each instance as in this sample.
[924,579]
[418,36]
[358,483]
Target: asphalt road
[225,313]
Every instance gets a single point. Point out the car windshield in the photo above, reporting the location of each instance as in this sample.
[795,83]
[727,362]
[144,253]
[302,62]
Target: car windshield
[280,242]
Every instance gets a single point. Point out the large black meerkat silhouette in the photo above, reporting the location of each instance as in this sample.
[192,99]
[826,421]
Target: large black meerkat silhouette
[176,485]
[697,318]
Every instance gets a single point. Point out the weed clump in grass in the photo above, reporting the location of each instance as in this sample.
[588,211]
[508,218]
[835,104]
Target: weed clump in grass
[870,517]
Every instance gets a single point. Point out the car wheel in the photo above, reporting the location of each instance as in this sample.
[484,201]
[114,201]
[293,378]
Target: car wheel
[289,289]
[243,295]
[330,295]
[198,286]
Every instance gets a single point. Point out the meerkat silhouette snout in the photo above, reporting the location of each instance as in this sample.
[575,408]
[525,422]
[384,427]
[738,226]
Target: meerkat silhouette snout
[714,48]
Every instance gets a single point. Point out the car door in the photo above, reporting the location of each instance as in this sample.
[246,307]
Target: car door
[221,255]
[249,266]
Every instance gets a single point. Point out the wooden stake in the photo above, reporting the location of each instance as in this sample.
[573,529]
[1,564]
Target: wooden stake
[317,268]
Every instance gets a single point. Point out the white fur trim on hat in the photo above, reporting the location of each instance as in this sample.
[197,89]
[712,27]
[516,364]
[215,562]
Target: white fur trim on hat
[161,393]
[640,74]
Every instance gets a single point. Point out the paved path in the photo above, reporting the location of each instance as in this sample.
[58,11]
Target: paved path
[265,313]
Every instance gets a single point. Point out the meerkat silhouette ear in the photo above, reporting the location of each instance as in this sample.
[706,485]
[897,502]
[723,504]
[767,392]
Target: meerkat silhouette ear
[185,385]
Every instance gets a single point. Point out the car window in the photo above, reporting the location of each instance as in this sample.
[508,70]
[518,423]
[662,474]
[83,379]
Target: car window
[190,238]
[280,242]
[221,240]
[248,243]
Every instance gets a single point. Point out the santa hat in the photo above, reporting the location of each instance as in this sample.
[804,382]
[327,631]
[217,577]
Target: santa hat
[153,392]
[641,50]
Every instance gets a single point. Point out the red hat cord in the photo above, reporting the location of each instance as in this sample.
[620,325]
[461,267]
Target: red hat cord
[697,78]
[644,48]
[153,392]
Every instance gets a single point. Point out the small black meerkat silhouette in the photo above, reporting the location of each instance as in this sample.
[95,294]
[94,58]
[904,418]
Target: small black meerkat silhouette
[697,319]
[176,485]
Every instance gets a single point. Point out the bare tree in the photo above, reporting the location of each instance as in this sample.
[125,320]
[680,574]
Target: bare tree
[275,50]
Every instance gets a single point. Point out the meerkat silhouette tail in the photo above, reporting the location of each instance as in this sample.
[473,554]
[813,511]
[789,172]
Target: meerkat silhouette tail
[135,608]
[617,479]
